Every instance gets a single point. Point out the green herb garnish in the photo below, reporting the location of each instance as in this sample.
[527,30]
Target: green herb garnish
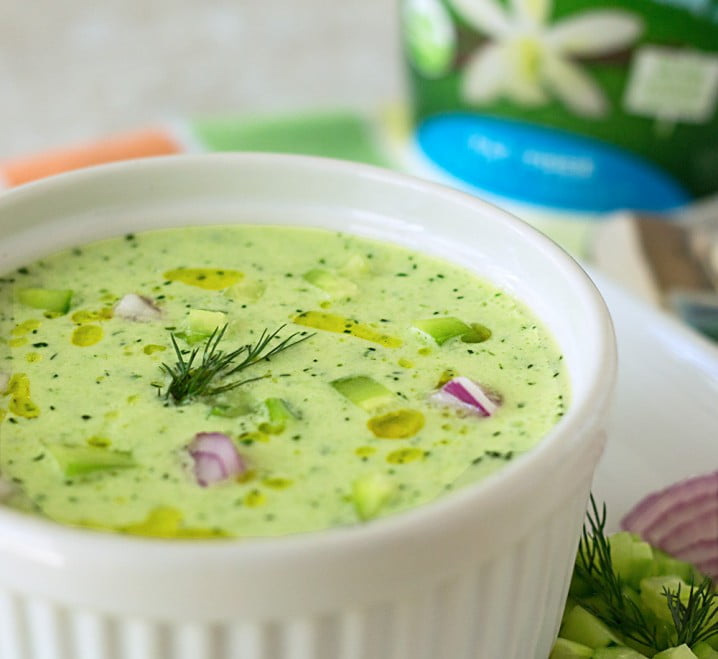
[190,381]
[696,619]
[595,567]
[695,616]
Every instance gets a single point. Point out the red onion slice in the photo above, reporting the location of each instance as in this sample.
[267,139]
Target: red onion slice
[692,529]
[215,458]
[682,520]
[702,551]
[463,393]
[709,566]
[138,308]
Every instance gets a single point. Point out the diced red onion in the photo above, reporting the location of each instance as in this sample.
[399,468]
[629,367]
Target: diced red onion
[137,307]
[215,458]
[682,520]
[463,393]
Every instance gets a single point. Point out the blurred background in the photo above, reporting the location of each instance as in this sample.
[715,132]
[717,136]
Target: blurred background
[71,70]
[587,119]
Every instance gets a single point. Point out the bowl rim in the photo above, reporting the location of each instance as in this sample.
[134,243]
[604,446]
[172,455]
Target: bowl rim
[21,530]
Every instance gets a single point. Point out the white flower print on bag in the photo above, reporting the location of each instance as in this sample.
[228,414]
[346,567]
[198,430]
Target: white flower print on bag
[530,61]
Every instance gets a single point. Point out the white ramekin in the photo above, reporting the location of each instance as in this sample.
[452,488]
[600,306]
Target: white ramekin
[481,573]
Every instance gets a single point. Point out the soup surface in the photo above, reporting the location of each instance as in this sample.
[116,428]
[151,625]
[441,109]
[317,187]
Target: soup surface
[242,381]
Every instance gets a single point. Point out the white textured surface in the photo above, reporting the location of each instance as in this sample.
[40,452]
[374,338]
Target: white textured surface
[71,70]
[464,617]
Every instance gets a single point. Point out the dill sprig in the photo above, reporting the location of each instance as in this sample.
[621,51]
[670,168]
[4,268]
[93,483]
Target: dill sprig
[188,381]
[695,618]
[595,566]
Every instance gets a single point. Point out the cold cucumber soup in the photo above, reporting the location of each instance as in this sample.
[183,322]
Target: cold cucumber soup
[241,381]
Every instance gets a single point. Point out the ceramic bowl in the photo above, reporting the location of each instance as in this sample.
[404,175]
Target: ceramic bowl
[481,572]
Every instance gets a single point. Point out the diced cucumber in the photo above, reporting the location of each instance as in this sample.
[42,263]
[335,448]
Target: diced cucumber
[655,601]
[233,403]
[704,651]
[331,283]
[595,603]
[229,411]
[632,594]
[565,649]
[247,290]
[364,392]
[679,652]
[665,565]
[617,653]
[279,415]
[632,558]
[370,494]
[81,460]
[441,329]
[202,322]
[355,266]
[583,627]
[56,300]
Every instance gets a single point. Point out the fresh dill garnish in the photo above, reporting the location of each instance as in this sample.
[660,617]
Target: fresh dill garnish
[595,567]
[695,616]
[188,381]
[696,619]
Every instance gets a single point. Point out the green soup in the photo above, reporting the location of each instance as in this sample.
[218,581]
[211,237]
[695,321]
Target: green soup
[121,355]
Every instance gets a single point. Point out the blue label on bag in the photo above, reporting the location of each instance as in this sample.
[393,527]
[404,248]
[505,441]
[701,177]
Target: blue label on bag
[545,166]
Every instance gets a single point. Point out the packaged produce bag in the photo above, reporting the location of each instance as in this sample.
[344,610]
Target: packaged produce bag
[582,106]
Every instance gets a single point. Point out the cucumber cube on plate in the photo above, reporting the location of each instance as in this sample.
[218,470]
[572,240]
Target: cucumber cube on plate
[617,653]
[680,652]
[565,649]
[704,651]
[583,627]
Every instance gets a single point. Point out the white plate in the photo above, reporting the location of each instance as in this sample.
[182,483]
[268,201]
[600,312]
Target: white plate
[664,423]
